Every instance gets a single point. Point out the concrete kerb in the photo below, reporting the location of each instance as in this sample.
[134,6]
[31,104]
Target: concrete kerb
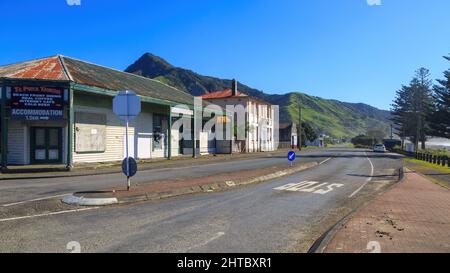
[207,188]
[323,241]
[82,201]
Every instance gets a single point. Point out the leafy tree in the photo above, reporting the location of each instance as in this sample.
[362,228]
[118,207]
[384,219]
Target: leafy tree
[401,112]
[377,135]
[422,104]
[440,121]
[362,140]
[413,108]
[308,133]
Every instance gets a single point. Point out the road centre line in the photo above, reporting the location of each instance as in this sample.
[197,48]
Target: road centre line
[215,237]
[367,180]
[46,214]
[326,160]
[32,200]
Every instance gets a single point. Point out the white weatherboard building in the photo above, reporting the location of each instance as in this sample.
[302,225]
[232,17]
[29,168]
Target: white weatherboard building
[259,119]
[58,110]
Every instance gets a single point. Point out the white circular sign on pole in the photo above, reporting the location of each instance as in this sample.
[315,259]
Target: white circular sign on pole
[127,106]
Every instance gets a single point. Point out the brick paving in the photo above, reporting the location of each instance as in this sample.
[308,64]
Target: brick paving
[414,216]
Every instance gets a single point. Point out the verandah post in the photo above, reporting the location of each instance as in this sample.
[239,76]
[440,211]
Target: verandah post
[4,127]
[70,119]
[169,135]
[194,135]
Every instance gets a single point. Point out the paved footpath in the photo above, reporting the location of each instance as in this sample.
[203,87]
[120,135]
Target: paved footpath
[414,216]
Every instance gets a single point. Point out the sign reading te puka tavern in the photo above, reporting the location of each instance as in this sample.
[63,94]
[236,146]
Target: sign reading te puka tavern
[37,103]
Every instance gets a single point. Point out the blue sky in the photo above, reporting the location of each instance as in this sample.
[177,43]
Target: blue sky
[339,49]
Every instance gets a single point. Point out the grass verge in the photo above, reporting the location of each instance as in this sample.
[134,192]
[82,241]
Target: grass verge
[425,167]
[429,165]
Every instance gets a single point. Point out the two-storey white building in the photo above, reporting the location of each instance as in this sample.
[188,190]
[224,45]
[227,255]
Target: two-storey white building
[259,119]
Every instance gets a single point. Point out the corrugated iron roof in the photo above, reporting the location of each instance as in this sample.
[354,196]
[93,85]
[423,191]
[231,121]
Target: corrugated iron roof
[226,93]
[81,72]
[40,69]
[94,75]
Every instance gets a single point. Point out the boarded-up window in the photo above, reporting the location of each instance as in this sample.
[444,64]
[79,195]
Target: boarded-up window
[90,132]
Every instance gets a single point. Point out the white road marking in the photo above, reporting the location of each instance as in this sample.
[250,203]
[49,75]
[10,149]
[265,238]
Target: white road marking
[374,247]
[330,188]
[73,247]
[215,237]
[367,180]
[326,160]
[32,200]
[310,187]
[230,183]
[46,214]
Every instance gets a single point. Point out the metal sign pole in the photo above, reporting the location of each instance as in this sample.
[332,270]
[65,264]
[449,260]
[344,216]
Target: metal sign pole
[127,158]
[127,105]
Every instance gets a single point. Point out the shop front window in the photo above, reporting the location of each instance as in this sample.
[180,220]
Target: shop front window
[157,132]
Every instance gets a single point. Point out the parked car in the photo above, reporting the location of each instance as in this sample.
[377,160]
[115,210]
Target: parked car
[379,148]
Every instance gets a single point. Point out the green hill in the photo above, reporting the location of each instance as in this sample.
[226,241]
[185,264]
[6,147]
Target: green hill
[332,117]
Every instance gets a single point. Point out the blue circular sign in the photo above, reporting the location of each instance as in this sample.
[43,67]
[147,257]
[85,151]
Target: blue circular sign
[132,167]
[291,156]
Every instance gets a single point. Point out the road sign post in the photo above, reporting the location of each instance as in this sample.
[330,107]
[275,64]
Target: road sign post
[127,106]
[127,157]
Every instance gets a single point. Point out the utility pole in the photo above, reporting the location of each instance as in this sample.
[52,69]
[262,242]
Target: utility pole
[299,133]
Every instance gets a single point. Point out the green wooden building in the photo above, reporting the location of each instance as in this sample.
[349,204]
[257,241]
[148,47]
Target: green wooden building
[58,110]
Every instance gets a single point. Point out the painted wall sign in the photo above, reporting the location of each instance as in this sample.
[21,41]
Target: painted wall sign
[37,103]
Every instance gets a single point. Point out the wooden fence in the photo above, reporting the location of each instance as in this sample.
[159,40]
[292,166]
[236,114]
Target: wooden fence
[434,159]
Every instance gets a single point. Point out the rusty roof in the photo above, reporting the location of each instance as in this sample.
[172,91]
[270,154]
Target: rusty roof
[65,68]
[111,79]
[226,93]
[40,69]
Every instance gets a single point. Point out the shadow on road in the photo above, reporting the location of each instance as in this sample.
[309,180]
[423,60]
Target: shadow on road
[373,176]
[346,153]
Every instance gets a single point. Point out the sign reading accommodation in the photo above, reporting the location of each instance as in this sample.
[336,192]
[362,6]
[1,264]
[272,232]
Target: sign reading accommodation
[37,103]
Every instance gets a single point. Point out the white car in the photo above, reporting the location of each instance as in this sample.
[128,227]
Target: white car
[379,148]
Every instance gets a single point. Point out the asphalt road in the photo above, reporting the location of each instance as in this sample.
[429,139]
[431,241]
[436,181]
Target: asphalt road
[276,216]
[19,190]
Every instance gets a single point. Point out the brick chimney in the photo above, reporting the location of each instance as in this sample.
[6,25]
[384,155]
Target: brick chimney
[234,88]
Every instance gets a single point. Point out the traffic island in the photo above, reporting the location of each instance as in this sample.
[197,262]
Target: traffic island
[91,199]
[156,190]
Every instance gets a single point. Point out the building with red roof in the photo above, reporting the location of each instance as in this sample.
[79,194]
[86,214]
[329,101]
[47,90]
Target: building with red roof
[259,118]
[58,110]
